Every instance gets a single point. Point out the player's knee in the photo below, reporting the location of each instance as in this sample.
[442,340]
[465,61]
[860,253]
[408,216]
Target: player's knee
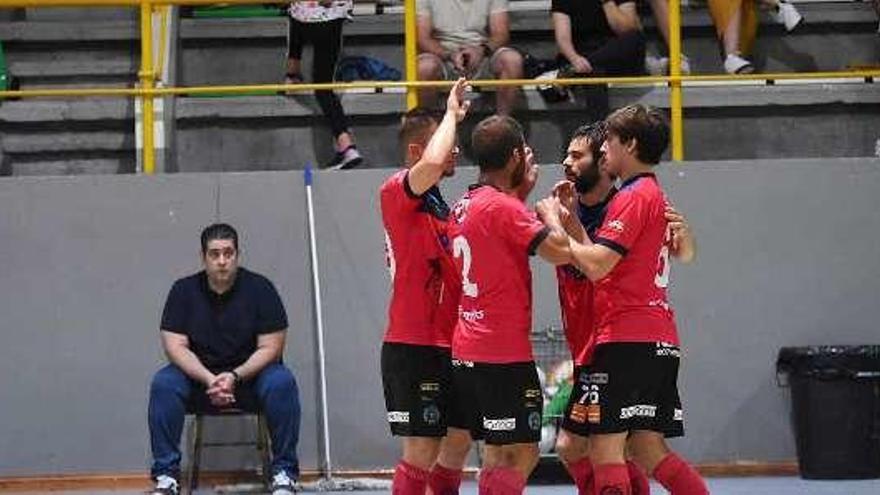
[570,449]
[421,451]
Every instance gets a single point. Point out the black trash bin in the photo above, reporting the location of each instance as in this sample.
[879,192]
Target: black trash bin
[835,394]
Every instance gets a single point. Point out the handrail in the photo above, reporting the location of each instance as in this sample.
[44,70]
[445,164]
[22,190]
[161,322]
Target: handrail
[147,90]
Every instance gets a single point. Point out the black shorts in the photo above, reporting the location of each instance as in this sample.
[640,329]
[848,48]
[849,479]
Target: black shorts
[580,405]
[498,403]
[416,380]
[633,386]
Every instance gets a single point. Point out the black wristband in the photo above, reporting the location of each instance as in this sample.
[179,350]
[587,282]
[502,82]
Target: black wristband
[236,376]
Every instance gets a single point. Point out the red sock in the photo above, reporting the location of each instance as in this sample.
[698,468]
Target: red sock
[582,474]
[679,477]
[611,478]
[444,481]
[409,479]
[501,481]
[637,479]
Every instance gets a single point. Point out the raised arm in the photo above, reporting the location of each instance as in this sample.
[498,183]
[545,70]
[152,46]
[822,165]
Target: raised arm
[429,169]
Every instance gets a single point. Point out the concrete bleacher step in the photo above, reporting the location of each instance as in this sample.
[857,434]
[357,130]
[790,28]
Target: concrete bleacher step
[71,167]
[79,31]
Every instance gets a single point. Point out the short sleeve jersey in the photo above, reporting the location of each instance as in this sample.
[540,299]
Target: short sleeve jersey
[630,302]
[223,328]
[424,284]
[576,293]
[493,235]
[589,25]
[459,23]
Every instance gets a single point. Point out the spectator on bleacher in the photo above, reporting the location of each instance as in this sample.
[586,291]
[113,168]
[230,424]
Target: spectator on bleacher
[320,22]
[223,331]
[660,65]
[598,38]
[736,22]
[467,38]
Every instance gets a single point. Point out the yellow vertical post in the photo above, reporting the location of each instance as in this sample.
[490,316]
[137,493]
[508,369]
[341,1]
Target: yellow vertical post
[410,34]
[675,96]
[147,76]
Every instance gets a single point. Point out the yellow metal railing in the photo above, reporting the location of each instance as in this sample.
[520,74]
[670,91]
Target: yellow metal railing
[148,91]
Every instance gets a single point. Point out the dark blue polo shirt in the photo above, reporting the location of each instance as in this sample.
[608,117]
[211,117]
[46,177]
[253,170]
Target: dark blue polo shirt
[223,328]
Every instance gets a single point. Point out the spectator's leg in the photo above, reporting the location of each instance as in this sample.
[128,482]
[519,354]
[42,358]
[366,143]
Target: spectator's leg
[327,40]
[736,24]
[169,392]
[661,17]
[278,394]
[294,48]
[430,68]
[507,63]
[621,55]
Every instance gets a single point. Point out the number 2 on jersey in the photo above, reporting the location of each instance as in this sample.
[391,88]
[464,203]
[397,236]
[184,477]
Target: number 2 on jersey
[461,248]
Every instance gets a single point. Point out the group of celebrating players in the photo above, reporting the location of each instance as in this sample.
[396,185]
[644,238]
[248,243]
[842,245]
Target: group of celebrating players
[457,363]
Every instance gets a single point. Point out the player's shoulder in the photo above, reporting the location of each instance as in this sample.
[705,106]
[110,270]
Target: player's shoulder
[397,180]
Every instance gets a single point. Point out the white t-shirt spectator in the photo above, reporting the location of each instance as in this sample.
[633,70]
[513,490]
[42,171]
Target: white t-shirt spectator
[459,23]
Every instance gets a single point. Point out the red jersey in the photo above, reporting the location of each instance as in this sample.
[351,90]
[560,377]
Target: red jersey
[493,235]
[630,302]
[576,303]
[424,287]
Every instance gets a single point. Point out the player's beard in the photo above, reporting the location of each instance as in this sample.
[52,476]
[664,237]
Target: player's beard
[586,180]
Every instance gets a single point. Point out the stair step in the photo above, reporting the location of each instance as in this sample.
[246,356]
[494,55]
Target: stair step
[72,167]
[85,110]
[28,31]
[69,68]
[14,143]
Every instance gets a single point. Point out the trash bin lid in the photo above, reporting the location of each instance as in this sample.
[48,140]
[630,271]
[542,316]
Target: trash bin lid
[829,361]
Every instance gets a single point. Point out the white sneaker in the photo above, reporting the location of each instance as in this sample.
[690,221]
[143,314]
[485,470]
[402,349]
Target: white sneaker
[283,484]
[165,485]
[656,66]
[788,15]
[734,64]
[685,64]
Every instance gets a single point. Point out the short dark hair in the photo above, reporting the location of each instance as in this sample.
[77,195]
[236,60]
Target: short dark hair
[416,124]
[217,231]
[647,125]
[493,141]
[595,133]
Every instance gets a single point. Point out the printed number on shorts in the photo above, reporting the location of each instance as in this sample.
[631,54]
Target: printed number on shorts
[589,394]
[461,248]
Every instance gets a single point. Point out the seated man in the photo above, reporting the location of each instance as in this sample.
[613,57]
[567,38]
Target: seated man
[467,38]
[223,331]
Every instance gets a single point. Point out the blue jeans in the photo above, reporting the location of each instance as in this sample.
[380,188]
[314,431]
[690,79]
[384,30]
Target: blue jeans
[276,393]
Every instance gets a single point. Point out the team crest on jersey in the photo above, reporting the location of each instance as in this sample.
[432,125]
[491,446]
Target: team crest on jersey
[431,414]
[460,209]
[535,420]
[616,225]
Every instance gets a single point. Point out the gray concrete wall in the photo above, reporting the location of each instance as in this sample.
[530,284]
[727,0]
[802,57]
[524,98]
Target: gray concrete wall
[787,257]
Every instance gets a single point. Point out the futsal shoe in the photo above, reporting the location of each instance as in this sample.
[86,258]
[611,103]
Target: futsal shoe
[787,15]
[283,484]
[165,485]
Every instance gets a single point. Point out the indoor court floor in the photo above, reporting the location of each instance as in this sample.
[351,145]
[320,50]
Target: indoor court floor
[717,486]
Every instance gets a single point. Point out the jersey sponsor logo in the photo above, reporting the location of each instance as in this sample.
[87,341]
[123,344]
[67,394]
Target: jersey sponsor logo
[501,424]
[667,350]
[578,413]
[599,378]
[471,316]
[459,362]
[594,414]
[398,417]
[535,420]
[533,393]
[429,387]
[431,414]
[459,210]
[677,415]
[640,410]
[616,225]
